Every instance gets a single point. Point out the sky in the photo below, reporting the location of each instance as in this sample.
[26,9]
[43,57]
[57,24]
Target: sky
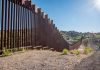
[77,15]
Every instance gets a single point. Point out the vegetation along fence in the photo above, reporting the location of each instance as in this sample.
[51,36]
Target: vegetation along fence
[22,24]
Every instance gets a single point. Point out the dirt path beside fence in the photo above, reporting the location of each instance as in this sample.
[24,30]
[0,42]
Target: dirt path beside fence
[90,63]
[41,60]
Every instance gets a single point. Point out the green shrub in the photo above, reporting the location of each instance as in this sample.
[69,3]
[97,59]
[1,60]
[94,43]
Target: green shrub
[21,49]
[6,52]
[87,50]
[15,49]
[77,52]
[65,51]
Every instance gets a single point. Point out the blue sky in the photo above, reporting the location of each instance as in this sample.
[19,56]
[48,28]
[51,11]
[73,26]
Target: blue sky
[78,15]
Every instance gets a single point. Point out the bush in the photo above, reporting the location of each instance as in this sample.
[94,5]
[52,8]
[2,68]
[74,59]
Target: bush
[21,49]
[77,52]
[15,49]
[6,52]
[65,51]
[87,50]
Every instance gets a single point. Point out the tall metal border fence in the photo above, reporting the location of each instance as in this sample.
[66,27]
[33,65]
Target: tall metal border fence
[22,24]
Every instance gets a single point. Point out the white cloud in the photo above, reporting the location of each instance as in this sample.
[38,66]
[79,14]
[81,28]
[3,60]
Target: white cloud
[96,4]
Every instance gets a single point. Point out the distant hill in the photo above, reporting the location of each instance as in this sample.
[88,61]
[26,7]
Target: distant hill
[71,36]
[74,36]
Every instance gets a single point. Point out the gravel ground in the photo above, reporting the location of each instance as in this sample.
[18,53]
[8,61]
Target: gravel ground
[48,60]
[90,63]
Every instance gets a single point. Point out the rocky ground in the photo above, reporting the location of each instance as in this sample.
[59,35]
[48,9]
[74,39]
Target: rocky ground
[50,60]
[90,63]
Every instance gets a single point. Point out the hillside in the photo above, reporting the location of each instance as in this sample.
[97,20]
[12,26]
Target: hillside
[74,36]
[71,36]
